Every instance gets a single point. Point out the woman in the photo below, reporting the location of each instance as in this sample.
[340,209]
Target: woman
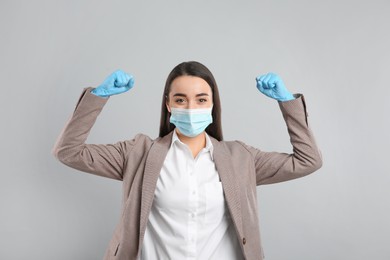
[187,194]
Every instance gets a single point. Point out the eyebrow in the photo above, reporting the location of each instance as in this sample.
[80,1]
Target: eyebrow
[184,95]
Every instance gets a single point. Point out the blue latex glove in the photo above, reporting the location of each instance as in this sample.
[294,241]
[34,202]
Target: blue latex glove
[272,86]
[117,83]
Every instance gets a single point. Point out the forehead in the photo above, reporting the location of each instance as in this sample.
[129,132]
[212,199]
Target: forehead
[190,85]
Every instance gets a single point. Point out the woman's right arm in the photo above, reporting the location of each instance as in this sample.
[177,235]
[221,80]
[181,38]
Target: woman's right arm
[71,149]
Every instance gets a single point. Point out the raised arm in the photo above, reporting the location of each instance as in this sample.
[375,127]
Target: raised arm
[70,148]
[272,167]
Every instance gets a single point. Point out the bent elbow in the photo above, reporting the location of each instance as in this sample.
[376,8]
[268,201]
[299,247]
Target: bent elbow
[315,163]
[57,148]
[55,152]
[58,154]
[62,154]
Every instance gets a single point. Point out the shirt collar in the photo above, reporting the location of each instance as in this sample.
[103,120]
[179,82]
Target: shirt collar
[209,145]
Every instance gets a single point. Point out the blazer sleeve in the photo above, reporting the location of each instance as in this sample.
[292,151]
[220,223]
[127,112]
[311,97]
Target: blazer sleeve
[273,167]
[70,148]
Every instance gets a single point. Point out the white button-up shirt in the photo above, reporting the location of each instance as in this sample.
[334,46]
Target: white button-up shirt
[189,218]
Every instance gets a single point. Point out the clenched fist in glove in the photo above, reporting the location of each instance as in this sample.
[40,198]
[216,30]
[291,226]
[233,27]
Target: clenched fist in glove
[272,86]
[117,83]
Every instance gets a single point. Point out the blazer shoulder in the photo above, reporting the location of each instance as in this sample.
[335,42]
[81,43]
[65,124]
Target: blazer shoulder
[143,143]
[235,147]
[139,144]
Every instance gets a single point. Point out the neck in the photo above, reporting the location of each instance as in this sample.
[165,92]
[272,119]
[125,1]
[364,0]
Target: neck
[195,144]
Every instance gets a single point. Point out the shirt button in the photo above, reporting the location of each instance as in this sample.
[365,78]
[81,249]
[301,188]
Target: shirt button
[193,215]
[193,192]
[244,241]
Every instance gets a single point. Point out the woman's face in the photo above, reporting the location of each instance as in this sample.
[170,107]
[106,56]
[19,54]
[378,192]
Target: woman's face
[189,92]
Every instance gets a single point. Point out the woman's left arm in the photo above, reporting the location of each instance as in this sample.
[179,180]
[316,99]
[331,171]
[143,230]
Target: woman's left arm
[272,167]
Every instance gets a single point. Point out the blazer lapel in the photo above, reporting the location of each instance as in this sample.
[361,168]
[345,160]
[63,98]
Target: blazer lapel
[153,165]
[229,181]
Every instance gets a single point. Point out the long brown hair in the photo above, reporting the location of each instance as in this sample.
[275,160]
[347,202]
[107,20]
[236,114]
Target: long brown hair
[192,68]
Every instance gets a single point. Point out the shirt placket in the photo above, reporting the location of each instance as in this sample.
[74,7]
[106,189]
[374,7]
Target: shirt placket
[193,208]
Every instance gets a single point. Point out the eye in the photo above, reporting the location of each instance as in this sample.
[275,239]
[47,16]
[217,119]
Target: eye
[179,100]
[202,100]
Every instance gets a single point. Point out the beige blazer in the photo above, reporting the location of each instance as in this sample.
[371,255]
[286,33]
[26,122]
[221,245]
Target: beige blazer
[137,163]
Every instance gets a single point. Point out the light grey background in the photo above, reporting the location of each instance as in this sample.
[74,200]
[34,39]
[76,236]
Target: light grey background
[335,52]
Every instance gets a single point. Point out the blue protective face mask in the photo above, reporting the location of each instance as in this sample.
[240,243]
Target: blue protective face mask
[191,122]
